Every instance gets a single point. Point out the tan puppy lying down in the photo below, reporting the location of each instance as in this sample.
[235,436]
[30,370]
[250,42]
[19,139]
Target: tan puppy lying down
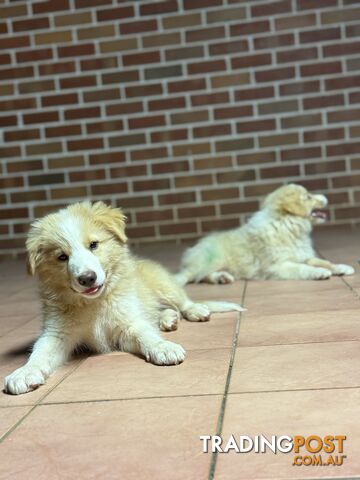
[95,293]
[274,243]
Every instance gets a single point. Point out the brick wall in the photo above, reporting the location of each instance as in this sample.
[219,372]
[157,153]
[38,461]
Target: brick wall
[184,112]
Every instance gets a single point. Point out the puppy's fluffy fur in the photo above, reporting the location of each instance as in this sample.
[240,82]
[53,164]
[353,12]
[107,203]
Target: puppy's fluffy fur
[275,243]
[94,292]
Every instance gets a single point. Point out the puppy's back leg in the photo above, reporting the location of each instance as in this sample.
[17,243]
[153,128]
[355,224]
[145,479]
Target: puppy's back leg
[220,277]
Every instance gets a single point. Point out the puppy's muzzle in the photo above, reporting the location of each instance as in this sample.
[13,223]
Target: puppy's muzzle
[87,279]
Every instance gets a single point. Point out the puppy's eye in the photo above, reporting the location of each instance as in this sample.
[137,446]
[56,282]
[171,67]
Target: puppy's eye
[93,245]
[63,257]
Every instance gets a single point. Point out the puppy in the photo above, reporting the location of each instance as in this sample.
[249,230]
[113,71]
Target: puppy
[275,243]
[95,293]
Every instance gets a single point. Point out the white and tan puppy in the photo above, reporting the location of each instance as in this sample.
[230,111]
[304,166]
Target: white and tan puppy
[95,293]
[275,243]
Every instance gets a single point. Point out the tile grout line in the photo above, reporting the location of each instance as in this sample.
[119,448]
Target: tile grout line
[227,385]
[157,397]
[14,427]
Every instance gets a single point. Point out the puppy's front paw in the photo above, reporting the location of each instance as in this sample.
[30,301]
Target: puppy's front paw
[23,380]
[221,277]
[321,274]
[166,353]
[169,320]
[341,269]
[197,312]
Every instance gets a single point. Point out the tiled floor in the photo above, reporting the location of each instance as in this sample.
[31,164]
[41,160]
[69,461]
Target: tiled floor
[288,366]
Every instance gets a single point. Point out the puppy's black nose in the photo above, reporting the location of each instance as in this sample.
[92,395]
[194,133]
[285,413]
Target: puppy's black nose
[87,279]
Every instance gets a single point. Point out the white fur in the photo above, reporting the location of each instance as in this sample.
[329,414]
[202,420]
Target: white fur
[138,298]
[274,243]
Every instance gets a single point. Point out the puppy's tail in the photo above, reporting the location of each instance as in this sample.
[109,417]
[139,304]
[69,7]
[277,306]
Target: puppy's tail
[222,307]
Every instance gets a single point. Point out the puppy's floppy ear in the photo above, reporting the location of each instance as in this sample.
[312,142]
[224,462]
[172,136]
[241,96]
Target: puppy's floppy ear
[33,247]
[111,218]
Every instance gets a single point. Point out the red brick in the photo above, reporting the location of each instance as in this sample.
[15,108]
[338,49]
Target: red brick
[274,74]
[123,108]
[256,158]
[149,153]
[13,151]
[76,113]
[77,82]
[144,90]
[169,135]
[271,8]
[190,5]
[213,163]
[138,27]
[274,41]
[255,126]
[5,59]
[298,88]
[318,69]
[21,134]
[238,207]
[11,213]
[176,198]
[191,149]
[190,117]
[120,77]
[146,122]
[76,50]
[224,48]
[18,104]
[14,42]
[111,157]
[193,181]
[46,179]
[141,58]
[236,176]
[113,13]
[184,53]
[66,98]
[238,144]
[212,130]
[31,24]
[110,126]
[19,72]
[125,140]
[186,85]
[169,167]
[346,82]
[301,153]
[254,93]
[158,8]
[251,60]
[233,112]
[310,4]
[250,28]
[63,131]
[323,101]
[301,121]
[202,34]
[154,216]
[324,167]
[57,68]
[167,103]
[219,193]
[210,98]
[24,166]
[99,95]
[348,115]
[280,172]
[11,182]
[41,117]
[50,6]
[205,67]
[223,224]
[343,149]
[320,35]
[150,185]
[295,21]
[87,144]
[8,121]
[87,175]
[341,49]
[324,135]
[297,55]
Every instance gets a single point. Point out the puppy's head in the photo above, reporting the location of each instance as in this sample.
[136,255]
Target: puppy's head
[297,201]
[75,250]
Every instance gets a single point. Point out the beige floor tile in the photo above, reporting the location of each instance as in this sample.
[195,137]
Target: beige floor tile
[338,298]
[217,333]
[118,376]
[329,412]
[205,291]
[11,323]
[294,367]
[9,417]
[324,326]
[139,439]
[19,308]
